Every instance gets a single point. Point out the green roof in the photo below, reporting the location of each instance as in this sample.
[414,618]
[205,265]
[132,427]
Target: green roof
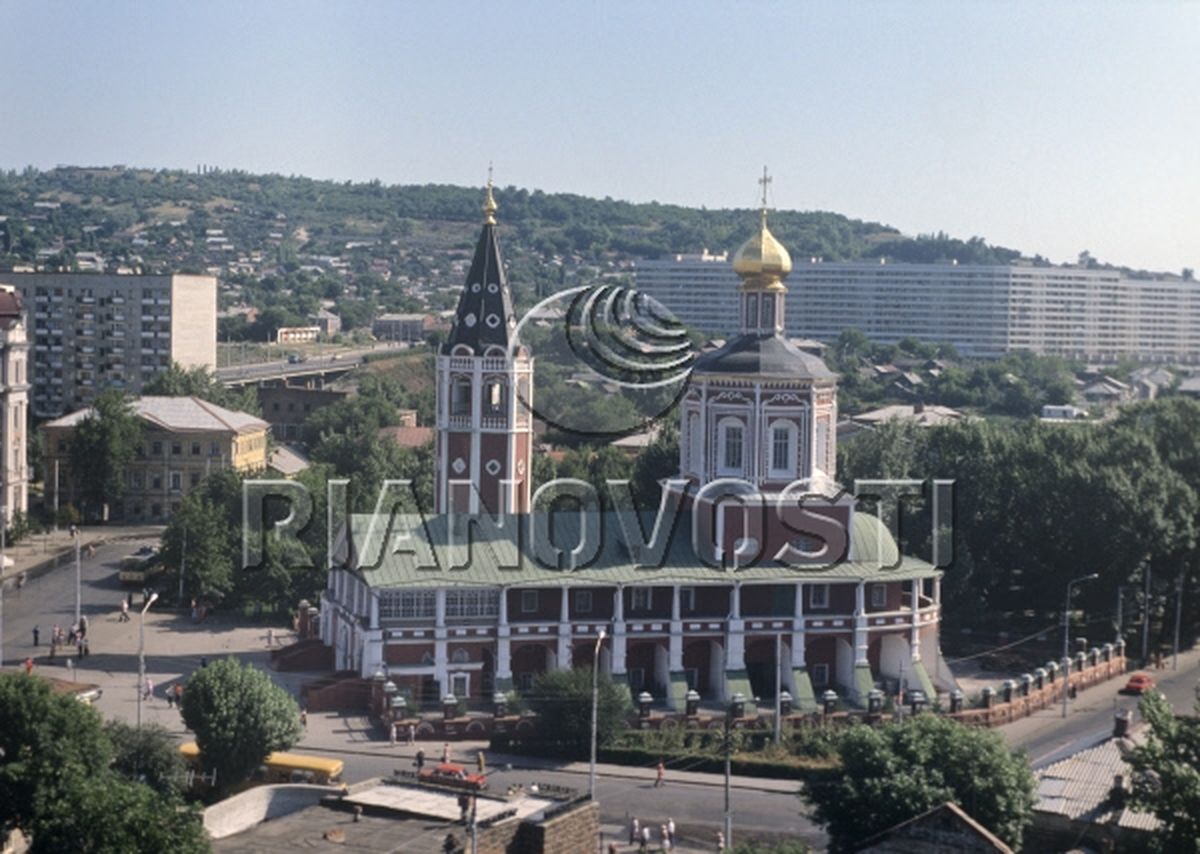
[489,562]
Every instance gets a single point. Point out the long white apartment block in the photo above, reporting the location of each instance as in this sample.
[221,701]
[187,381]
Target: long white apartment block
[983,310]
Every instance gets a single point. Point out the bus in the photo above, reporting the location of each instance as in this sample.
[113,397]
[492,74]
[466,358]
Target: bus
[280,767]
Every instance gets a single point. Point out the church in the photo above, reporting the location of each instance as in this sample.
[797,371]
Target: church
[768,578]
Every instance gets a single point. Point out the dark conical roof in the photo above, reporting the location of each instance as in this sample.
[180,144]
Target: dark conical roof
[764,355]
[485,316]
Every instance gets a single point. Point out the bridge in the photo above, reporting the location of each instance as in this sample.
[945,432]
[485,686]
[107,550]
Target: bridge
[321,369]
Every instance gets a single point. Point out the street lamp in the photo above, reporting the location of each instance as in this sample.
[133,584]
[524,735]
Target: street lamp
[1067,636]
[142,654]
[78,578]
[595,703]
[736,702]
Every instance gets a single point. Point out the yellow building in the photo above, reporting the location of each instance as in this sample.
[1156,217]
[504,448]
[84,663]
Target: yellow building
[183,440]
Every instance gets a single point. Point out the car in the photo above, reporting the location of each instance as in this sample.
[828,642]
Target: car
[1139,683]
[453,775]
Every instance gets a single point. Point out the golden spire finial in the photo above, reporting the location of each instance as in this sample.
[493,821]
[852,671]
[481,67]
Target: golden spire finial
[764,181]
[489,202]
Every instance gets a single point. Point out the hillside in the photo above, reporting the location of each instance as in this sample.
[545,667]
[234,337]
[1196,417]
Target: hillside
[285,243]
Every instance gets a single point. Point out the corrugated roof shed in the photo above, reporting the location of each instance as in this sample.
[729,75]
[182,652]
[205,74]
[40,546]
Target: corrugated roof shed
[1080,787]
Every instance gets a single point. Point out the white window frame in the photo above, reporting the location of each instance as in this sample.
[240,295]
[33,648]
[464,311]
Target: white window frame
[820,674]
[529,601]
[463,679]
[460,401]
[687,600]
[788,469]
[878,595]
[818,601]
[473,603]
[583,601]
[724,427]
[644,593]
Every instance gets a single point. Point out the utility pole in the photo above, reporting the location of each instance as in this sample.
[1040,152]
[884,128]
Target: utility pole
[78,579]
[182,566]
[778,687]
[1067,639]
[1120,609]
[1178,608]
[1146,620]
[3,566]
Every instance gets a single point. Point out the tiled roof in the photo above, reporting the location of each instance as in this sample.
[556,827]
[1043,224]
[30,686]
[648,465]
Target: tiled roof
[287,461]
[408,437]
[489,561]
[179,414]
[1079,787]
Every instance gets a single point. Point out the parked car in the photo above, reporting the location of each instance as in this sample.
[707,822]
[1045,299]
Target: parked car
[451,774]
[1139,683]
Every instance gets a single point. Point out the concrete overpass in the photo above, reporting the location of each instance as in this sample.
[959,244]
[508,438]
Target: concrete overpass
[314,370]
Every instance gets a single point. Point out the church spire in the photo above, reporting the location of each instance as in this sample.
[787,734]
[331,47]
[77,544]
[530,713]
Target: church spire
[485,316]
[489,202]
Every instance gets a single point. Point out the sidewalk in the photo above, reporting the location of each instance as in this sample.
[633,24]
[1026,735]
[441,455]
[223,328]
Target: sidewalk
[55,547]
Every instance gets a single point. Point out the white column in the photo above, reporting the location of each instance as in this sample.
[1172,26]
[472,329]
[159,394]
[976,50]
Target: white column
[798,630]
[675,639]
[703,438]
[503,643]
[564,631]
[860,625]
[618,639]
[374,610]
[735,655]
[914,642]
[441,656]
[476,428]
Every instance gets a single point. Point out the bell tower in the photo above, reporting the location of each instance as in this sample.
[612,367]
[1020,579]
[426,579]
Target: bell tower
[484,386]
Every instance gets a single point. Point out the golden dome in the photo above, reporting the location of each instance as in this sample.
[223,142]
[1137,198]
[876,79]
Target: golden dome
[762,262]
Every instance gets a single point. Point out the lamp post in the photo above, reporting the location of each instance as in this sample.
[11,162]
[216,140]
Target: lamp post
[142,654]
[734,702]
[78,579]
[3,566]
[1067,636]
[595,704]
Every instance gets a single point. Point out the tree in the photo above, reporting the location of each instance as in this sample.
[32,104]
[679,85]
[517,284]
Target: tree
[1167,774]
[890,774]
[178,381]
[147,755]
[209,518]
[239,716]
[786,847]
[563,702]
[103,445]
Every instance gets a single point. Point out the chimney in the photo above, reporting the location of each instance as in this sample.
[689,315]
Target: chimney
[1121,724]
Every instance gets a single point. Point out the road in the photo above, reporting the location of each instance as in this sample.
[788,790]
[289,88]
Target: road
[49,599]
[697,809]
[341,360]
[1046,737]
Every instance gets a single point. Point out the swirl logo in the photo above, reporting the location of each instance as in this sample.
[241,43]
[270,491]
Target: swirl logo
[610,359]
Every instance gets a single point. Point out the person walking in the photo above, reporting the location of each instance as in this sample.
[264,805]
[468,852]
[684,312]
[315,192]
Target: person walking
[659,774]
[36,633]
[392,733]
[634,831]
[445,752]
[664,838]
[179,701]
[28,666]
[170,698]
[148,691]
[645,840]
[270,636]
[84,650]
[671,830]
[480,762]
[304,718]
[412,734]
[720,842]
[420,760]
[124,618]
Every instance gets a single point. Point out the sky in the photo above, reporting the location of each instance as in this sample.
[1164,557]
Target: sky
[1051,128]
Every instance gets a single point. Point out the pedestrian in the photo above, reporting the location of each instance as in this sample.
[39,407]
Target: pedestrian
[304,718]
[83,626]
[659,774]
[664,838]
[170,698]
[612,848]
[392,733]
[412,734]
[78,648]
[129,599]
[420,760]
[28,666]
[53,649]
[720,842]
[84,650]
[270,636]
[124,618]
[149,689]
[36,632]
[446,752]
[480,762]
[634,831]
[671,830]
[195,612]
[645,840]
[179,696]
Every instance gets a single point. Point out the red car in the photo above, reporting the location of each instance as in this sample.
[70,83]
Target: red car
[1139,683]
[450,774]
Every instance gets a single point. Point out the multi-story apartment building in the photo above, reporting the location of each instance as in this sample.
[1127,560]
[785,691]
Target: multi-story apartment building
[983,310]
[183,440]
[499,586]
[14,406]
[92,331]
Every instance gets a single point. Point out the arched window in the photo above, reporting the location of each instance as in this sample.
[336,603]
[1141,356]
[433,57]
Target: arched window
[493,397]
[782,449]
[460,396]
[731,435]
[461,656]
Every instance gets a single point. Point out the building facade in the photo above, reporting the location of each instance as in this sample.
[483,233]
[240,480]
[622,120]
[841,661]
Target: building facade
[184,439]
[14,406]
[91,331]
[401,327]
[983,310]
[742,587]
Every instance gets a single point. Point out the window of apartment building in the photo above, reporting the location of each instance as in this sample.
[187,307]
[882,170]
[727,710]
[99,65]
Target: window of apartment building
[214,450]
[174,507]
[275,406]
[155,511]
[176,481]
[176,449]
[156,482]
[687,599]
[529,601]
[878,595]
[583,601]
[62,446]
[472,603]
[195,449]
[156,448]
[818,595]
[137,479]
[642,599]
[194,479]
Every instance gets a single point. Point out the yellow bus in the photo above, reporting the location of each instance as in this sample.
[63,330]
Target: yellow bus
[281,767]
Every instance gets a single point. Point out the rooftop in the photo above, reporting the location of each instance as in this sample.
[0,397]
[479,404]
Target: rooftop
[1080,787]
[179,414]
